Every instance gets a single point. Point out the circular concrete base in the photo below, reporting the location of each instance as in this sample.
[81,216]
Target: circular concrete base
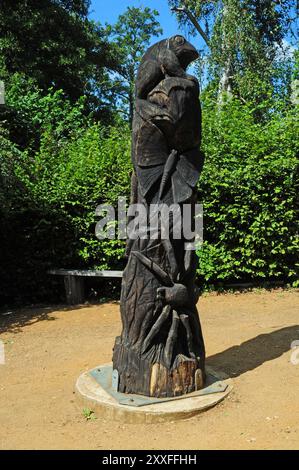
[92,395]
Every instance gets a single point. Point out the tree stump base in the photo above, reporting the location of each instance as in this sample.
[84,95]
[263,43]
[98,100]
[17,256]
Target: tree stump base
[138,375]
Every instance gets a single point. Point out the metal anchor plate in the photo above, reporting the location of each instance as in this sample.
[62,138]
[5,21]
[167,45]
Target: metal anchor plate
[108,379]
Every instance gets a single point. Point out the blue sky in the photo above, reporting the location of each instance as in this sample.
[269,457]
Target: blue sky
[109,10]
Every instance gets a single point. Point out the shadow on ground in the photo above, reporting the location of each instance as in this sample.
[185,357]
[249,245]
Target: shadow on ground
[13,321]
[234,361]
[253,353]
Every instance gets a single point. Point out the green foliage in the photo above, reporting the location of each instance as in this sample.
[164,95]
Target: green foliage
[88,414]
[49,197]
[54,43]
[131,35]
[90,169]
[249,189]
[28,112]
[57,164]
[247,42]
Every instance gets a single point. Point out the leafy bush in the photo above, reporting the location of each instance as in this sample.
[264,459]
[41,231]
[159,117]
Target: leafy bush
[48,196]
[28,112]
[249,189]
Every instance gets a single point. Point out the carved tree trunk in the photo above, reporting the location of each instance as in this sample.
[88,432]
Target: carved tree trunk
[161,351]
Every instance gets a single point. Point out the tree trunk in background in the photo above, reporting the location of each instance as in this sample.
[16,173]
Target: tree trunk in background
[225,86]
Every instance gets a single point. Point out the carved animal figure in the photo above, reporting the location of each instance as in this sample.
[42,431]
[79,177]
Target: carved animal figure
[168,58]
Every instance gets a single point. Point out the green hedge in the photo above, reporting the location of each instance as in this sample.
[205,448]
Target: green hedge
[249,189]
[50,190]
[48,208]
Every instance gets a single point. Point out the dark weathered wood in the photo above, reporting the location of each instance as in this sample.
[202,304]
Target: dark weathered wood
[74,289]
[161,350]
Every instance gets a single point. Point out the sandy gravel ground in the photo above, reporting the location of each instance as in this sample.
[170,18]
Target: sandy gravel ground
[247,335]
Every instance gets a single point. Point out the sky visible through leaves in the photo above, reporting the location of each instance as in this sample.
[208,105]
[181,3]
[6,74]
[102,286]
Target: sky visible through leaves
[104,11]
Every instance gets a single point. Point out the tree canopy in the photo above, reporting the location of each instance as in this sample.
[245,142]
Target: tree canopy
[131,35]
[247,42]
[54,43]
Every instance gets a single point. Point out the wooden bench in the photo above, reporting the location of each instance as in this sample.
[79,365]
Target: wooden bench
[74,281]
